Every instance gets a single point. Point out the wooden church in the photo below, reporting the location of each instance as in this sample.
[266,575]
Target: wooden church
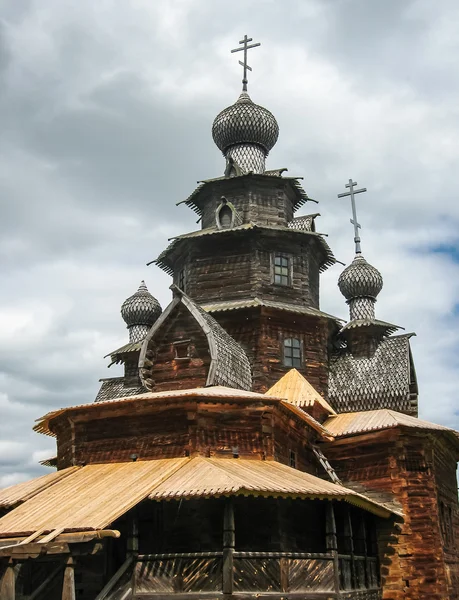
[256,447]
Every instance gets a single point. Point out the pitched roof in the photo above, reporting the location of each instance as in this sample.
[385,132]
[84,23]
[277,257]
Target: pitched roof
[89,498]
[21,492]
[229,363]
[254,302]
[298,391]
[379,381]
[94,496]
[354,423]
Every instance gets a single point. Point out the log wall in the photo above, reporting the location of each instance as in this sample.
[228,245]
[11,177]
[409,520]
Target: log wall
[115,434]
[414,564]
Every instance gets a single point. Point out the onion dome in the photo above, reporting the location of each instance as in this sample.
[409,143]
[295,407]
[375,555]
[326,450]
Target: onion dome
[245,132]
[140,311]
[360,283]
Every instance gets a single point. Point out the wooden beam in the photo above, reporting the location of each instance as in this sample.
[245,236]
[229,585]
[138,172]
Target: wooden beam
[8,582]
[350,543]
[114,580]
[68,585]
[229,541]
[332,542]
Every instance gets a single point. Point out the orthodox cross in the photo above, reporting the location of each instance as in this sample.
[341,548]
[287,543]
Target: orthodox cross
[245,47]
[354,221]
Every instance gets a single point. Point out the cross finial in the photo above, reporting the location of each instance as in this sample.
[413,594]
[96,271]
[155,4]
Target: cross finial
[354,221]
[245,47]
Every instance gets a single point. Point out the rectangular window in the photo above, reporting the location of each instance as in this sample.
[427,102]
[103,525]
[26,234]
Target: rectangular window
[292,459]
[182,349]
[181,279]
[292,353]
[282,270]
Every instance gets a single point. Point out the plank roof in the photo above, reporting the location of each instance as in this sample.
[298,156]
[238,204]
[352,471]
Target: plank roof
[21,492]
[94,496]
[354,423]
[295,388]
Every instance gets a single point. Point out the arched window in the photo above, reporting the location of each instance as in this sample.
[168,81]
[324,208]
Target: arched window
[292,352]
[225,216]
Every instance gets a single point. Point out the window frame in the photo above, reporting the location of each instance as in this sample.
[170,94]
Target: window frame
[292,347]
[288,267]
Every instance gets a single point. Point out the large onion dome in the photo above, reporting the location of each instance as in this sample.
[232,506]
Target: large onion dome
[360,283]
[245,132]
[140,311]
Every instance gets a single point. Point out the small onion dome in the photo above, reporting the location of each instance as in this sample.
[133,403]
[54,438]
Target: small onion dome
[245,123]
[141,308]
[360,279]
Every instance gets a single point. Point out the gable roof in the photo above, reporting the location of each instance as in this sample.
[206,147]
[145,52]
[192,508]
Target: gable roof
[229,365]
[354,423]
[380,381]
[298,391]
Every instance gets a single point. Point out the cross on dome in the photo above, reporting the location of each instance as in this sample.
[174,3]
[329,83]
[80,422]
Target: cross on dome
[351,193]
[245,46]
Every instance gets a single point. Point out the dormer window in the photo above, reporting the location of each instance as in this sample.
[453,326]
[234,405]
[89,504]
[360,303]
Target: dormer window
[282,269]
[292,353]
[226,215]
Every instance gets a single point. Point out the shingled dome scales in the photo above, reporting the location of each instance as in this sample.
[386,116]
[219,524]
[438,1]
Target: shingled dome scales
[140,311]
[360,283]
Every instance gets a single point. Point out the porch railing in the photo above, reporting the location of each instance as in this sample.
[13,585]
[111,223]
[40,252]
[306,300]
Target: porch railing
[257,573]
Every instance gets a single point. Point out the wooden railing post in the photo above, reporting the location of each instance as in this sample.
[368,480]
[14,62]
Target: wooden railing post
[68,585]
[332,541]
[8,582]
[350,544]
[228,547]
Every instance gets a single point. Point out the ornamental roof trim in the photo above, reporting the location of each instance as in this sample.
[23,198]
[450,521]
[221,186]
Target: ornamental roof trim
[161,261]
[255,302]
[388,328]
[301,195]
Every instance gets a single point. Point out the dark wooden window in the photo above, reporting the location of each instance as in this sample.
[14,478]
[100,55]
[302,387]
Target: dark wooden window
[182,349]
[282,274]
[292,352]
[292,459]
[446,524]
[181,279]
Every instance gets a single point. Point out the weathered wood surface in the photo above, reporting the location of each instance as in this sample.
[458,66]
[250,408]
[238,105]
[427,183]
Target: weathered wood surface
[259,430]
[416,563]
[7,581]
[68,585]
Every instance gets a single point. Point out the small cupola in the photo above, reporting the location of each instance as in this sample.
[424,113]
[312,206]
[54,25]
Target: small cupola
[140,311]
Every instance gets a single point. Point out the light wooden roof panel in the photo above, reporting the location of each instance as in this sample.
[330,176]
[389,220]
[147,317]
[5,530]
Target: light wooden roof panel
[94,496]
[89,498]
[373,420]
[298,391]
[21,492]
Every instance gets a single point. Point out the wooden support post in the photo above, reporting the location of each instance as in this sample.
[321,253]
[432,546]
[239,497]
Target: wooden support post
[363,533]
[350,544]
[68,585]
[229,541]
[8,582]
[284,544]
[133,535]
[332,542]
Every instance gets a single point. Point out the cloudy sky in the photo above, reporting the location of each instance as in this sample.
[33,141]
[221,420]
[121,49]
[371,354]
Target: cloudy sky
[106,109]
